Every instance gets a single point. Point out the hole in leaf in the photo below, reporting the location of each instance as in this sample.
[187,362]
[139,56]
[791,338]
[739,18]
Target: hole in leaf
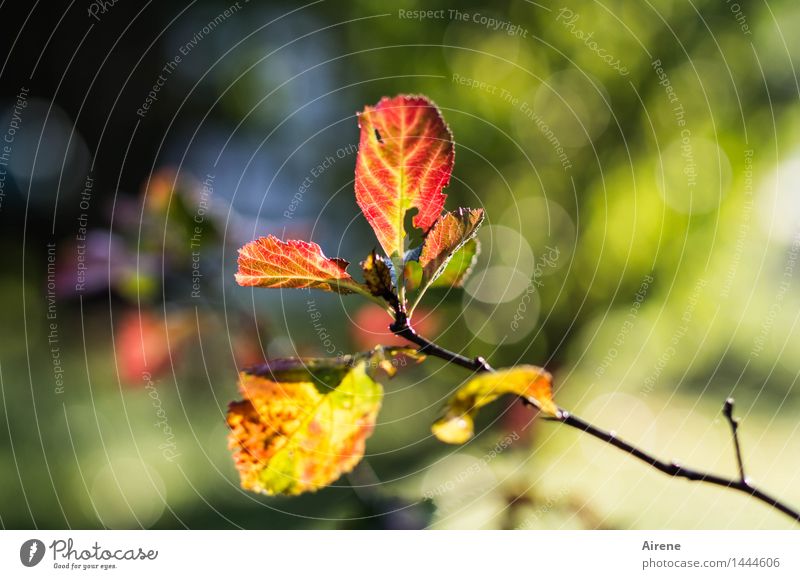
[413,234]
[378,136]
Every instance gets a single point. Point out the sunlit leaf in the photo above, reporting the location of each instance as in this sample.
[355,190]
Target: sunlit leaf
[270,262]
[454,273]
[405,158]
[532,383]
[302,424]
[460,265]
[450,232]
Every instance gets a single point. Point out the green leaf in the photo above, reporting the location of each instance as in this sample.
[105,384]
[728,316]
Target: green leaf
[454,274]
[460,265]
[532,383]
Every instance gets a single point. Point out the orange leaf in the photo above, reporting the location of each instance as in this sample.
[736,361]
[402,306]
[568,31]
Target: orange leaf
[405,158]
[270,262]
[448,235]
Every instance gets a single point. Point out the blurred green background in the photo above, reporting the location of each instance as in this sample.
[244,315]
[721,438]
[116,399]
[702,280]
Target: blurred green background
[639,166]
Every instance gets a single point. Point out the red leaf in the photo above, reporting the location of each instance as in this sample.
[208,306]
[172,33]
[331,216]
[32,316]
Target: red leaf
[270,262]
[405,158]
[446,237]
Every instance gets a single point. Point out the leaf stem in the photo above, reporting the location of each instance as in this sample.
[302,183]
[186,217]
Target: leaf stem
[401,327]
[416,301]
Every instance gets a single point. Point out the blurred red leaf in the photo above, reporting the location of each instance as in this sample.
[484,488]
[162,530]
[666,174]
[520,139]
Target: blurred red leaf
[145,343]
[371,326]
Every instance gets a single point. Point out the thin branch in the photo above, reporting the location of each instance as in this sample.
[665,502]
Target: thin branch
[727,410]
[674,469]
[402,328]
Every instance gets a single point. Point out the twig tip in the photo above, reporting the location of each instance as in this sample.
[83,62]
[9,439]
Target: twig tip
[727,409]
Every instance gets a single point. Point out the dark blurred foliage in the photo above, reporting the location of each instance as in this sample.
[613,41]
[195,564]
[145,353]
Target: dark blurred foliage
[650,299]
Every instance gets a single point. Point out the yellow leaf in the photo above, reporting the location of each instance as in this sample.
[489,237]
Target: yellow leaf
[294,432]
[530,382]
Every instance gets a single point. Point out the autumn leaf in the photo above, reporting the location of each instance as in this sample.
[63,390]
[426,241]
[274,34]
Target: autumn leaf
[377,275]
[532,383]
[270,262]
[302,424]
[405,158]
[450,232]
